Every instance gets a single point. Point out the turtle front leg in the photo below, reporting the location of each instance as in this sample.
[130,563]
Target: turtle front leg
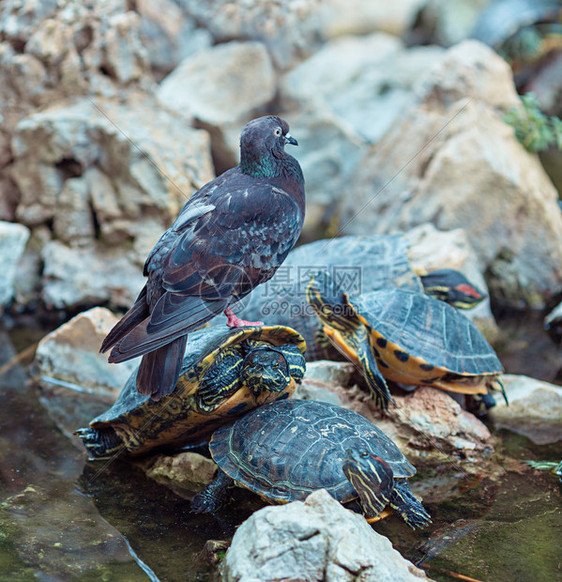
[410,509]
[214,495]
[375,380]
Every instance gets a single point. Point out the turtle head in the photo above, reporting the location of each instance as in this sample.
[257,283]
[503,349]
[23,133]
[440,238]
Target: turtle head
[452,287]
[330,303]
[371,477]
[266,368]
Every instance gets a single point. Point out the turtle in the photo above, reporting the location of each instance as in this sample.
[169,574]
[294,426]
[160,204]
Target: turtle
[364,263]
[285,450]
[407,337]
[225,373]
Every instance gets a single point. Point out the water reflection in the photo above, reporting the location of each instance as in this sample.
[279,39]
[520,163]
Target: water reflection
[63,518]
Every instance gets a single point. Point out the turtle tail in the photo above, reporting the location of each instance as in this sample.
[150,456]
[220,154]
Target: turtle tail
[405,503]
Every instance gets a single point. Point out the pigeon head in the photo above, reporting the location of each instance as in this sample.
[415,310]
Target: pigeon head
[262,146]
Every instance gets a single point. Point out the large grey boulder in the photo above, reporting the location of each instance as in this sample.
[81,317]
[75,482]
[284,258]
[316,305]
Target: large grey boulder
[13,238]
[372,81]
[221,84]
[288,29]
[453,161]
[313,541]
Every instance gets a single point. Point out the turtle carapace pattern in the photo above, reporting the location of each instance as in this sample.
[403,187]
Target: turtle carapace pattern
[225,373]
[406,337]
[362,264]
[287,449]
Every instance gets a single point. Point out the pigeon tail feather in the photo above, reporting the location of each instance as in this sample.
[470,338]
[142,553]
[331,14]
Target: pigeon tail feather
[129,321]
[159,370]
[139,341]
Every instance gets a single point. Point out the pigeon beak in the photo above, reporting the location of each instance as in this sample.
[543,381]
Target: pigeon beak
[291,140]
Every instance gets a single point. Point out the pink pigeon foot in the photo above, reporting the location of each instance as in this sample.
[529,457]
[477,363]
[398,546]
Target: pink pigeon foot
[234,321]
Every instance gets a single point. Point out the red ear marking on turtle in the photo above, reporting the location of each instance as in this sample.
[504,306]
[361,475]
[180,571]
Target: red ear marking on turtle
[468,290]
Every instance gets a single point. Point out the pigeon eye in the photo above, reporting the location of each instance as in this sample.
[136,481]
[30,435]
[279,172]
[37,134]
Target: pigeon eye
[277,131]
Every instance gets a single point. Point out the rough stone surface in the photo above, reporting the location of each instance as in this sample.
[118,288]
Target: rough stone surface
[154,165]
[222,84]
[372,81]
[106,183]
[427,424]
[502,196]
[356,17]
[288,28]
[81,277]
[185,473]
[13,238]
[314,540]
[535,409]
[54,50]
[326,381]
[168,34]
[71,354]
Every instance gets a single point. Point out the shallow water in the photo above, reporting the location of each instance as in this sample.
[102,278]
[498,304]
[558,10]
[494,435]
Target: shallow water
[63,518]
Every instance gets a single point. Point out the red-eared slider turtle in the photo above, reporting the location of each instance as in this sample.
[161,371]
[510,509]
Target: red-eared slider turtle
[225,373]
[405,337]
[287,449]
[362,264]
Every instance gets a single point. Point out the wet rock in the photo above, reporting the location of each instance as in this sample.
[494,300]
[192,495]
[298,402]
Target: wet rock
[288,29]
[13,238]
[71,353]
[535,409]
[222,84]
[185,473]
[456,136]
[313,540]
[68,539]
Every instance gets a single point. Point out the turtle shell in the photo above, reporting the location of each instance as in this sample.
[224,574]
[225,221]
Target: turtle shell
[360,263]
[143,423]
[414,333]
[285,450]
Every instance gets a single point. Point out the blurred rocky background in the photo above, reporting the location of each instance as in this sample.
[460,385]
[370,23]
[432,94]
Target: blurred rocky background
[113,113]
